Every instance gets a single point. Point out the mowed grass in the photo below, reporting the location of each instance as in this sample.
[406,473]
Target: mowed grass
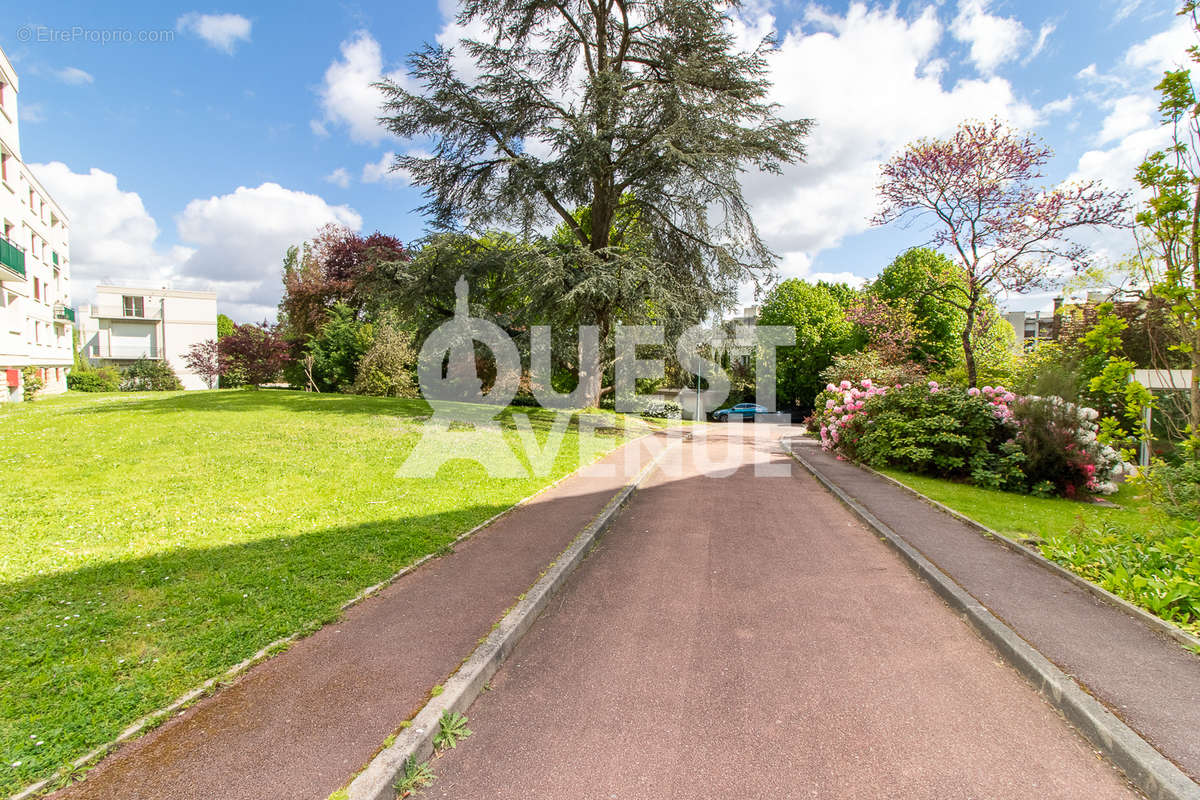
[151,541]
[1022,516]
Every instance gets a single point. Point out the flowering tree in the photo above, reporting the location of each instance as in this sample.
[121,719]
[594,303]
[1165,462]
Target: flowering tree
[890,328]
[203,359]
[1002,231]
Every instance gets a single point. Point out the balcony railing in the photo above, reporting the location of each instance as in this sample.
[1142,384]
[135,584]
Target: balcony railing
[12,260]
[64,313]
[120,312]
[124,352]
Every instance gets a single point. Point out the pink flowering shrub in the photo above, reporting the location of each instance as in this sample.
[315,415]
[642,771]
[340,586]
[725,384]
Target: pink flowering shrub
[1063,455]
[988,436]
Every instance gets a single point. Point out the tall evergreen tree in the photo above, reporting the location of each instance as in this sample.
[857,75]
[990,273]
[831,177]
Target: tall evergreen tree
[642,110]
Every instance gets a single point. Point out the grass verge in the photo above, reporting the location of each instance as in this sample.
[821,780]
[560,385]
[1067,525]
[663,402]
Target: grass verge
[150,542]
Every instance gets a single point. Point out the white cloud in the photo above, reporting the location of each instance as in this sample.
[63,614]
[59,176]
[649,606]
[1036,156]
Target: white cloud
[1125,9]
[1131,129]
[1127,115]
[1040,44]
[376,171]
[339,177]
[232,244]
[347,96]
[220,31]
[113,237]
[888,64]
[33,112]
[1060,106]
[240,238]
[381,171]
[74,76]
[1163,51]
[993,39]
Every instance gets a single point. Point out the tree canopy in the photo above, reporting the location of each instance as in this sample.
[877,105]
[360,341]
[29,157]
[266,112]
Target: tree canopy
[979,189]
[644,112]
[823,332]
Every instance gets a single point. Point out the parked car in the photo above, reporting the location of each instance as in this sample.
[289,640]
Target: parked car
[741,410]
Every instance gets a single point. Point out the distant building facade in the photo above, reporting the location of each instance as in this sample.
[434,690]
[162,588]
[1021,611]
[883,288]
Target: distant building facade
[1033,326]
[35,272]
[127,323]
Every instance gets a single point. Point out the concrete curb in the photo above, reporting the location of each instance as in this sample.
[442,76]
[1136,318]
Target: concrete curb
[376,781]
[1144,766]
[1161,625]
[185,700]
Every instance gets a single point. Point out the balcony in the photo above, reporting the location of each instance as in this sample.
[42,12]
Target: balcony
[122,352]
[12,261]
[64,313]
[128,315]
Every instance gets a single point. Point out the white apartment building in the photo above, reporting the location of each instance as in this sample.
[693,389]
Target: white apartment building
[35,273]
[127,323]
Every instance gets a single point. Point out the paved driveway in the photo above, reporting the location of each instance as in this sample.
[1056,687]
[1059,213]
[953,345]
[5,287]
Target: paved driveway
[745,636]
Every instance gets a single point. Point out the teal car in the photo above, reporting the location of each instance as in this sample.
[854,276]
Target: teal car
[741,410]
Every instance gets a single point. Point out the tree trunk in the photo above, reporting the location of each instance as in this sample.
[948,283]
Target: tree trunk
[595,382]
[969,347]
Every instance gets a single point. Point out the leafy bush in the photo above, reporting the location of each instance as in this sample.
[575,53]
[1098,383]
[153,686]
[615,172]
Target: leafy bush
[31,383]
[388,368]
[525,400]
[337,348]
[251,355]
[915,428]
[104,379]
[1175,488]
[987,436]
[662,409]
[869,364]
[147,375]
[1156,569]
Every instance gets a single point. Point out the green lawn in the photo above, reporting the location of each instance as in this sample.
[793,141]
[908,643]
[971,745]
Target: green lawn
[1020,516]
[151,541]
[1134,551]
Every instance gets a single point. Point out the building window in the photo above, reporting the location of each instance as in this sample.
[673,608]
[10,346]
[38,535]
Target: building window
[133,306]
[37,290]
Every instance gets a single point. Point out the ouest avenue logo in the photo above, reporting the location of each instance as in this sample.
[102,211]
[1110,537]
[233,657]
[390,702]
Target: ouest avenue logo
[466,422]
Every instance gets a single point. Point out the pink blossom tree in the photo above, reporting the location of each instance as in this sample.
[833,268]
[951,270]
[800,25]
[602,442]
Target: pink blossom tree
[1004,233]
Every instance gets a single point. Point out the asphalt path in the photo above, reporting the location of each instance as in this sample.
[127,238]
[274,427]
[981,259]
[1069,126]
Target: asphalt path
[742,635]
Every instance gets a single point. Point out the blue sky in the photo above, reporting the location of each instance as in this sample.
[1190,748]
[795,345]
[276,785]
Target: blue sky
[194,161]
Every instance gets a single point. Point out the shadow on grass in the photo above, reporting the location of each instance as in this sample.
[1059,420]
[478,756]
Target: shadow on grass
[282,400]
[258,400]
[85,652]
